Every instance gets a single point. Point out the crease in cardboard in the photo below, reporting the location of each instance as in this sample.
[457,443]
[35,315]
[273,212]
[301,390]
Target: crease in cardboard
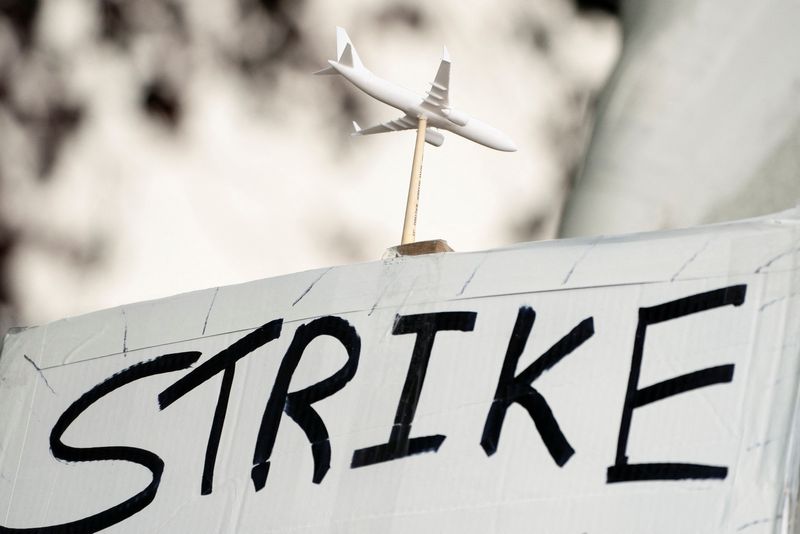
[40,373]
[481,294]
[422,303]
[791,485]
[73,355]
[30,398]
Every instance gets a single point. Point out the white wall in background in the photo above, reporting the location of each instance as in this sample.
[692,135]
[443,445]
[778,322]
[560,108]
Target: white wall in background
[700,122]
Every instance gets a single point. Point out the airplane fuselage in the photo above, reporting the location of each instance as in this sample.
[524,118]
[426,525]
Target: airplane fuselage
[413,105]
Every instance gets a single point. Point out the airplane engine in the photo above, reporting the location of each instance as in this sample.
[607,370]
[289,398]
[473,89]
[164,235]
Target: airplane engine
[459,118]
[433,137]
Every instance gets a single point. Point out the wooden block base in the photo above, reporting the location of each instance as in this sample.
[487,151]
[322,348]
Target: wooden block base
[419,248]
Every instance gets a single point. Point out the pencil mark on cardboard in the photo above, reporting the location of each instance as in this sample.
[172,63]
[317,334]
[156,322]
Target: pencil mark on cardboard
[580,259]
[471,276]
[39,370]
[378,300]
[771,302]
[777,300]
[210,307]
[125,334]
[756,523]
[304,293]
[792,250]
[690,260]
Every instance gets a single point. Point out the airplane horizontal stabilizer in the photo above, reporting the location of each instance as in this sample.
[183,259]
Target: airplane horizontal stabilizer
[327,71]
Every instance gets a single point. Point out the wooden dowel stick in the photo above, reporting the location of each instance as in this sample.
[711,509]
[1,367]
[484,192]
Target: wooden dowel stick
[412,204]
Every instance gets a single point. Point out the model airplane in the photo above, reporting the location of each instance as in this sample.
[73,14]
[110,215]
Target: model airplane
[434,106]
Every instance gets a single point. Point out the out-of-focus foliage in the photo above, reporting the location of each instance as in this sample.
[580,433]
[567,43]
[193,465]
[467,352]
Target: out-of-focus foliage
[154,146]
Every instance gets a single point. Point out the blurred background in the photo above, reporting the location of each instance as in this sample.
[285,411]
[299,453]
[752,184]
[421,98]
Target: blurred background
[152,147]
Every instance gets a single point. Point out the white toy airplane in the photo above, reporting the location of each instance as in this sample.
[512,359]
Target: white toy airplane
[435,105]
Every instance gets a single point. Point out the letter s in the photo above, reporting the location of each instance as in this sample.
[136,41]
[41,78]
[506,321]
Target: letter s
[135,504]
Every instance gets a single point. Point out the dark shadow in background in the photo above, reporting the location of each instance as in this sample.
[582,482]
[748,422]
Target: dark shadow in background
[54,115]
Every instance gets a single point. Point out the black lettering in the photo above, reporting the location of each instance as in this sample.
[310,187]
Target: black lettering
[425,326]
[297,404]
[622,471]
[122,511]
[511,389]
[225,362]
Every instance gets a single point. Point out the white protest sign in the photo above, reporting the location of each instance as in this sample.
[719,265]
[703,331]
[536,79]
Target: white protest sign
[643,383]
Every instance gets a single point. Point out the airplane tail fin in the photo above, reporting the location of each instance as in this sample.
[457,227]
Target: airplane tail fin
[345,54]
[345,51]
[342,40]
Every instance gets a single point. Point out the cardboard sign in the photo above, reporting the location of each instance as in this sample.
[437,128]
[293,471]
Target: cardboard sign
[644,383]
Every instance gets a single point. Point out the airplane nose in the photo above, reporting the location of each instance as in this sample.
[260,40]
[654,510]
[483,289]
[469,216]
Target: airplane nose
[486,135]
[510,146]
[506,145]
[502,142]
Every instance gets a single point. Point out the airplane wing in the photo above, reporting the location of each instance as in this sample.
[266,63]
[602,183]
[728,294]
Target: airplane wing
[403,123]
[439,94]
